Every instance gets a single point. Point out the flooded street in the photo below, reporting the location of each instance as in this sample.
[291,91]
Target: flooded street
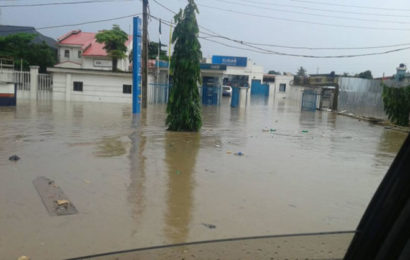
[136,185]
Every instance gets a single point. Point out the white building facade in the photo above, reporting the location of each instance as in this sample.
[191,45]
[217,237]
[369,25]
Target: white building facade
[238,66]
[91,85]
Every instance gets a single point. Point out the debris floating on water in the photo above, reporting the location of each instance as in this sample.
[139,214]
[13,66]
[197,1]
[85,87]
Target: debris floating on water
[228,152]
[178,172]
[53,197]
[63,203]
[305,131]
[239,153]
[210,226]
[14,158]
[23,257]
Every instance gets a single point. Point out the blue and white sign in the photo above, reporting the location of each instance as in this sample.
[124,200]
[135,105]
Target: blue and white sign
[230,60]
[136,66]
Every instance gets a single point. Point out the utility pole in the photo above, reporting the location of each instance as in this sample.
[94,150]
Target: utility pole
[144,52]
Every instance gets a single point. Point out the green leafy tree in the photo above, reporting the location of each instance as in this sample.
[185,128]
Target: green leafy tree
[21,48]
[184,109]
[301,72]
[114,43]
[153,51]
[396,103]
[365,75]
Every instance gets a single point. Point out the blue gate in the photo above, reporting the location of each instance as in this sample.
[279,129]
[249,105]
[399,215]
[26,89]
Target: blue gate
[309,100]
[210,91]
[257,88]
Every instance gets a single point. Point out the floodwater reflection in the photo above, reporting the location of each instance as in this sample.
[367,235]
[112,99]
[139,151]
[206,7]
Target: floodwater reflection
[181,150]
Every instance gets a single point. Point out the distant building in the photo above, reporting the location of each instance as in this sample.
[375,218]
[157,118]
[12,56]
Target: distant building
[80,50]
[237,68]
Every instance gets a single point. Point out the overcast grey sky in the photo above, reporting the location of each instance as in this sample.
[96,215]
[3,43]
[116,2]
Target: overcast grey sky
[281,22]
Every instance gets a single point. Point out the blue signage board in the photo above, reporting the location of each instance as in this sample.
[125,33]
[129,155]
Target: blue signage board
[136,66]
[230,60]
[207,66]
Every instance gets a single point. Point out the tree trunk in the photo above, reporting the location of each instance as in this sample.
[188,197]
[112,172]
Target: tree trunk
[114,64]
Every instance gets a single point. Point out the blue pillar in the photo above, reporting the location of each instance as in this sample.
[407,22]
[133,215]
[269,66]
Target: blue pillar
[235,97]
[136,66]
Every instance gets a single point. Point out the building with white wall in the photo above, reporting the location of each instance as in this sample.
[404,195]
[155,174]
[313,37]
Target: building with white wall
[71,84]
[80,50]
[238,66]
[279,85]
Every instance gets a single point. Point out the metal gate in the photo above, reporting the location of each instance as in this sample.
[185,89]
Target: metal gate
[309,98]
[45,82]
[158,93]
[257,88]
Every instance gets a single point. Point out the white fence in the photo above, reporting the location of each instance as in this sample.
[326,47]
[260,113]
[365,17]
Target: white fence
[23,80]
[45,82]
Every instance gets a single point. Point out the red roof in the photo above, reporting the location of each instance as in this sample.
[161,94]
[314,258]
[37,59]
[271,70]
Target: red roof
[87,42]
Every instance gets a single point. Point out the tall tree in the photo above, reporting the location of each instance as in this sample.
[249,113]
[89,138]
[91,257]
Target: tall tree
[365,74]
[114,43]
[21,48]
[301,72]
[184,109]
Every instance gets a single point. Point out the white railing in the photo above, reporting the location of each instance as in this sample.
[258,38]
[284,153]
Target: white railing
[45,82]
[21,78]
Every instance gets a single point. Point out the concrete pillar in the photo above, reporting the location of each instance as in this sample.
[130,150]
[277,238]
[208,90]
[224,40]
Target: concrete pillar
[68,86]
[243,96]
[33,81]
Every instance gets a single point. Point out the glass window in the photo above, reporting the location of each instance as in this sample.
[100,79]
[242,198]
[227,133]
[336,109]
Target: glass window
[282,87]
[67,53]
[126,89]
[78,86]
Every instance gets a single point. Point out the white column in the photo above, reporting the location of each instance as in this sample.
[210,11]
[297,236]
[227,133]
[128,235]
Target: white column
[33,81]
[68,86]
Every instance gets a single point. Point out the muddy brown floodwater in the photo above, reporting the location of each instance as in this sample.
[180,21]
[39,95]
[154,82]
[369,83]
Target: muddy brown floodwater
[136,185]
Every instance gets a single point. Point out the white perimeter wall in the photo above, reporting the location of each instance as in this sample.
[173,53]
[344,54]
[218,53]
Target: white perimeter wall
[98,86]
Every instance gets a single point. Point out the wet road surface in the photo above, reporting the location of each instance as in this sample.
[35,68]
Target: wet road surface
[137,185]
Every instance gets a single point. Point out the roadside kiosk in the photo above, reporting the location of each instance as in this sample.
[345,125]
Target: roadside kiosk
[212,75]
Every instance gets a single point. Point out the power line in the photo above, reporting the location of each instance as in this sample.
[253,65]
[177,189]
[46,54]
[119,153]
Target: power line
[73,24]
[214,34]
[265,51]
[311,14]
[303,21]
[355,6]
[268,51]
[163,6]
[231,46]
[326,10]
[62,3]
